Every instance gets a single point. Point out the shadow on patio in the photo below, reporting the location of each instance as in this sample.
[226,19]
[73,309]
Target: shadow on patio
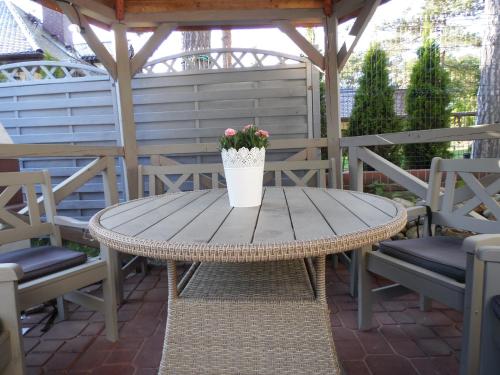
[407,341]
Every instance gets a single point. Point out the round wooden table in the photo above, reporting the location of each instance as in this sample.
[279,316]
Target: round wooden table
[254,300]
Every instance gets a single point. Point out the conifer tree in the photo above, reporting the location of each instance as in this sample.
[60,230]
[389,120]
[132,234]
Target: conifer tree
[427,105]
[373,111]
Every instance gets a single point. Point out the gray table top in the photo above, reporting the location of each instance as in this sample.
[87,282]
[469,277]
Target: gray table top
[291,223]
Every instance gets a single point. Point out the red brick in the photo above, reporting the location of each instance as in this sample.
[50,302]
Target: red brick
[61,361]
[355,368]
[454,342]
[394,305]
[447,331]
[29,343]
[37,359]
[49,346]
[93,329]
[139,328]
[430,318]
[389,364]
[374,343]
[417,331]
[454,315]
[402,317]
[434,347]
[393,333]
[65,330]
[407,348]
[150,309]
[341,334]
[150,354]
[114,370]
[121,356]
[349,350]
[157,294]
[91,359]
[384,318]
[77,345]
[126,315]
[81,315]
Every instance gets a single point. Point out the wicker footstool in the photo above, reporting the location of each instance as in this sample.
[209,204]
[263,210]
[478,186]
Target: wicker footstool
[249,318]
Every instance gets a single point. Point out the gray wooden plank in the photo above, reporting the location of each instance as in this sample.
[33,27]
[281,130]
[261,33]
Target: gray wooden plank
[123,207]
[238,227]
[203,227]
[147,206]
[341,220]
[156,213]
[274,223]
[369,214]
[172,224]
[308,222]
[382,204]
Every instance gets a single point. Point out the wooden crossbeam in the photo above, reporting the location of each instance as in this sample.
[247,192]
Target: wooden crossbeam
[311,52]
[161,33]
[96,10]
[88,34]
[357,29]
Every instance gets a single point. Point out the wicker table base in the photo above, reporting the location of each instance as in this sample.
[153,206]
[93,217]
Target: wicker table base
[249,318]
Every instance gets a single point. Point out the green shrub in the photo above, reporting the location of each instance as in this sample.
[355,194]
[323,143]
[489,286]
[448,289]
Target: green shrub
[373,111]
[427,105]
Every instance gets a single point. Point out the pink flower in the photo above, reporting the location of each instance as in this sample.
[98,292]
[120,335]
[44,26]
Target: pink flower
[246,127]
[229,132]
[262,133]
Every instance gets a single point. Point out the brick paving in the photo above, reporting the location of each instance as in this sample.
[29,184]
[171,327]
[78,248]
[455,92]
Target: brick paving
[404,340]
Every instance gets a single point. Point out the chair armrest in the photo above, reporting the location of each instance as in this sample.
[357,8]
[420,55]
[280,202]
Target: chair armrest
[10,272]
[66,221]
[489,253]
[416,211]
[483,245]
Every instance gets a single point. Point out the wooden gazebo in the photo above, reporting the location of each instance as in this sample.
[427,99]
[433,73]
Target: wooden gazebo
[163,17]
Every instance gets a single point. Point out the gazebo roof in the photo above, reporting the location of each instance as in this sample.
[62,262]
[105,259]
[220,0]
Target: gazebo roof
[199,14]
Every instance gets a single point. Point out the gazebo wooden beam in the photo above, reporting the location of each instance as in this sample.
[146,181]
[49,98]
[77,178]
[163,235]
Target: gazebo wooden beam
[216,18]
[357,30]
[332,99]
[92,40]
[160,34]
[96,11]
[311,52]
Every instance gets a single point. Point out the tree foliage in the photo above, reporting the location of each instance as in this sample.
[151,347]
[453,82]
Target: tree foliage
[427,105]
[373,111]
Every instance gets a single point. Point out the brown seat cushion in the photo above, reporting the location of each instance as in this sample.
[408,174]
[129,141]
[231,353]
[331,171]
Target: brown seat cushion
[40,261]
[440,254]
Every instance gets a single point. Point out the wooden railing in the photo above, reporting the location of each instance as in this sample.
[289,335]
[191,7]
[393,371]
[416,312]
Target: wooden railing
[359,153]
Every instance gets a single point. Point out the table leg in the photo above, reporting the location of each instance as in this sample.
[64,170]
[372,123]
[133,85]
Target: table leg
[319,267]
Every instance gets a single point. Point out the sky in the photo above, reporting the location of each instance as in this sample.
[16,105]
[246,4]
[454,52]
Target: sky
[267,39]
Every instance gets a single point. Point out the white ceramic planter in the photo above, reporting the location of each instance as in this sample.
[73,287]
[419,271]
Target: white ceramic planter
[244,171]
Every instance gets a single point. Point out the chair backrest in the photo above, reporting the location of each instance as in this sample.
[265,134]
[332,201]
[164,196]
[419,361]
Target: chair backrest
[463,192]
[15,227]
[173,178]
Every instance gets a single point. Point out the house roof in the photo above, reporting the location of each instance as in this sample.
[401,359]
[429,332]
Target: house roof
[16,41]
[347,101]
[22,37]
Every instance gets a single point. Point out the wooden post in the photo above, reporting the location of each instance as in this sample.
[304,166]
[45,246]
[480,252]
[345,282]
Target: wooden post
[332,96]
[126,109]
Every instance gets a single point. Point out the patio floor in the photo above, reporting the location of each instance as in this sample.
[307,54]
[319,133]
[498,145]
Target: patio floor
[407,341]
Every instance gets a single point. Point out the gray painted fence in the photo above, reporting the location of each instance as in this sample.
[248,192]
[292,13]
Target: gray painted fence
[185,98]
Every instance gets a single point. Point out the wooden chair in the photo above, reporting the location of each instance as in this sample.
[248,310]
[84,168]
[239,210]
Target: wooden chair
[32,276]
[463,274]
[173,178]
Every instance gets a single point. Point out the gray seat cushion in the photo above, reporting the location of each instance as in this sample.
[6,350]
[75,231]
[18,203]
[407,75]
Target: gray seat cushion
[440,254]
[40,261]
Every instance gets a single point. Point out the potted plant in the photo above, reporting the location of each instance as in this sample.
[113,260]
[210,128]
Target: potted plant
[243,155]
